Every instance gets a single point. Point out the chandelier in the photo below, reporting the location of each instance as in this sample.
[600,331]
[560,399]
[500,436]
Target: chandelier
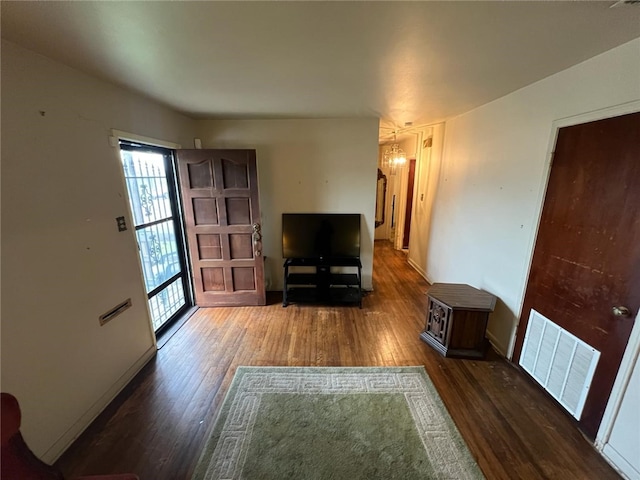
[393,156]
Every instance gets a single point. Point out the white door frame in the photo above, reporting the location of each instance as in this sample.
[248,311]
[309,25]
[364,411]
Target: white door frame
[629,361]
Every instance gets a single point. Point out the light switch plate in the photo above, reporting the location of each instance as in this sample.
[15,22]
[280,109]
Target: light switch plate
[122,224]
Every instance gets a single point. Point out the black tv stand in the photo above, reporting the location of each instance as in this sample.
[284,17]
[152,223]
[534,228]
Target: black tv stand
[322,286]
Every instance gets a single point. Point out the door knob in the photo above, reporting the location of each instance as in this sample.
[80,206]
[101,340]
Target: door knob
[620,311]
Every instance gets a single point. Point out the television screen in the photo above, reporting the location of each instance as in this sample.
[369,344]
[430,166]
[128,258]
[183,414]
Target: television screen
[320,235]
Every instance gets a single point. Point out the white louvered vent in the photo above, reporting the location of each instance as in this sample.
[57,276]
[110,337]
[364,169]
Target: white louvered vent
[559,361]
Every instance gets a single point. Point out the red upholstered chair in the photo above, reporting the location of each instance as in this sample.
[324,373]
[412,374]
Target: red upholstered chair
[18,462]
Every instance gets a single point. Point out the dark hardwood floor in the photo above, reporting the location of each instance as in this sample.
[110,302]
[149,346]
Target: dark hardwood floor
[157,425]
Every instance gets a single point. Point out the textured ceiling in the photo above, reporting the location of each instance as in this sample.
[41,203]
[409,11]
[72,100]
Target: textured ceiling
[415,62]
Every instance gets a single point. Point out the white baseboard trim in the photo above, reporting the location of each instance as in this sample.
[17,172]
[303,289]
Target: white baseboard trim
[499,347]
[417,268]
[59,447]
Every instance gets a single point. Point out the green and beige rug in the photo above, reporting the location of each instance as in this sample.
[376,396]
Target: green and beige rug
[334,423]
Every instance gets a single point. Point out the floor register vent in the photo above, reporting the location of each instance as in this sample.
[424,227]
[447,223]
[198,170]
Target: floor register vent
[559,361]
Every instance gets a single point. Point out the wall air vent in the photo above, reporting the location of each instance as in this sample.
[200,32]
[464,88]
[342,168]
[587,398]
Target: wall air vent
[559,361]
[114,312]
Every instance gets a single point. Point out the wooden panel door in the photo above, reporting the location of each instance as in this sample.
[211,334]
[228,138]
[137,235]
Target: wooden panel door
[222,215]
[587,254]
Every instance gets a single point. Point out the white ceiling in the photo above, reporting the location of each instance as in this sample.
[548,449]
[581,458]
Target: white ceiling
[414,62]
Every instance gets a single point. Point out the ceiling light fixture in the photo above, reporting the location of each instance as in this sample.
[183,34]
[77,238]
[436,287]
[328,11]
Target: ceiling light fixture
[393,156]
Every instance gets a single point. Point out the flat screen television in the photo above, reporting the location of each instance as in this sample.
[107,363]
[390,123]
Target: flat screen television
[321,235]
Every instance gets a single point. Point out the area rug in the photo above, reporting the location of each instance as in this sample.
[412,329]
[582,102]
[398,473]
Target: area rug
[334,423]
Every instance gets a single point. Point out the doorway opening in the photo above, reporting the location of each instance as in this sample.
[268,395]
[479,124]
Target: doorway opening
[150,177]
[409,204]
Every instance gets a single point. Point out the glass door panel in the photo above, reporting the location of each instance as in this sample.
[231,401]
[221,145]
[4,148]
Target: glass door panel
[150,179]
[158,252]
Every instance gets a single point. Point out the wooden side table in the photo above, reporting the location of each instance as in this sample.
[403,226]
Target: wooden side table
[457,320]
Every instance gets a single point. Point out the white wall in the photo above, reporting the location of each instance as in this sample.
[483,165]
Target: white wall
[426,185]
[325,165]
[63,261]
[494,174]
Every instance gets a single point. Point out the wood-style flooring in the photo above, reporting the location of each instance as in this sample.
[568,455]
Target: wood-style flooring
[157,425]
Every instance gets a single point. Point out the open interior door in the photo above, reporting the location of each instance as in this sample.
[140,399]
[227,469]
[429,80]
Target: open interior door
[222,215]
